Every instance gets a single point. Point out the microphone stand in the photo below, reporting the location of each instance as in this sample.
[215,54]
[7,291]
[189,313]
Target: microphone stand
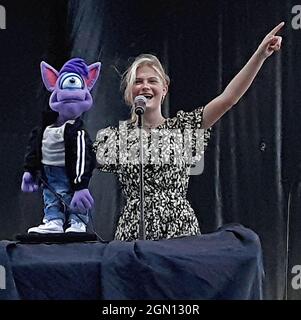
[140,113]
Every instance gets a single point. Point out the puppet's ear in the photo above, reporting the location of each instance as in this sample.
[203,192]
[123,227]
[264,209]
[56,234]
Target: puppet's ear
[49,76]
[94,71]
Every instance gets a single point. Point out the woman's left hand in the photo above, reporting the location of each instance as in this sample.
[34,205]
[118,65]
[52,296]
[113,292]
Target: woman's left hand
[271,42]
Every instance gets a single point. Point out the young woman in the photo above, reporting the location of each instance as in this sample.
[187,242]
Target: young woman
[168,214]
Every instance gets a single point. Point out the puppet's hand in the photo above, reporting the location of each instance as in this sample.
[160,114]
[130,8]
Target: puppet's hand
[82,200]
[28,183]
[271,42]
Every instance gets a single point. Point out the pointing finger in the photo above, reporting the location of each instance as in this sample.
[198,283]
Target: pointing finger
[277,28]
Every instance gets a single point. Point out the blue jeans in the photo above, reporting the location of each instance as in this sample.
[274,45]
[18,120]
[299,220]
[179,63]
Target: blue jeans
[58,180]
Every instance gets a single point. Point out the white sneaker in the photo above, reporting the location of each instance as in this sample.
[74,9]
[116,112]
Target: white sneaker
[76,227]
[52,226]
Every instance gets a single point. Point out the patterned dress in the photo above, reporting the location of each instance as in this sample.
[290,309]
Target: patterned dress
[171,151]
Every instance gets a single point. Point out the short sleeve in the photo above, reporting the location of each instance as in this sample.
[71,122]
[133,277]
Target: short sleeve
[193,120]
[106,149]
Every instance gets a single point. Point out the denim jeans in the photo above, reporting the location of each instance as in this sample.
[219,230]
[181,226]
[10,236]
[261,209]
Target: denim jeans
[58,180]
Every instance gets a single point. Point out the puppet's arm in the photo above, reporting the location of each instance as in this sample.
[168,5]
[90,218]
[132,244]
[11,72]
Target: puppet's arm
[82,172]
[32,164]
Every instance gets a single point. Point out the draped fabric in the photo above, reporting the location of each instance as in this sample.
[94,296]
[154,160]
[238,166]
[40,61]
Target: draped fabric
[253,158]
[183,268]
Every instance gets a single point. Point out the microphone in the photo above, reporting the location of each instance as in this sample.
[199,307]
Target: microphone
[140,104]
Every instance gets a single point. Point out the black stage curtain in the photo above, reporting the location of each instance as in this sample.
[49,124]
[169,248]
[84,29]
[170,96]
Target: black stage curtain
[251,165]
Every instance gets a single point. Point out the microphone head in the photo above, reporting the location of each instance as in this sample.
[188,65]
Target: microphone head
[140,100]
[140,104]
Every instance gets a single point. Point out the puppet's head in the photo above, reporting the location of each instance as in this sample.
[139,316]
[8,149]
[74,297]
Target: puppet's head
[70,87]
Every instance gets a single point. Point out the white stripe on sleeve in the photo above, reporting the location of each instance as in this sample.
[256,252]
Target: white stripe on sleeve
[80,162]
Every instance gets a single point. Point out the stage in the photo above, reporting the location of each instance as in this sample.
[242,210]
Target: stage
[223,265]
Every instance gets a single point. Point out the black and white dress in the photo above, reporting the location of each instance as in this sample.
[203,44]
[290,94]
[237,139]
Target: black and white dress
[171,152]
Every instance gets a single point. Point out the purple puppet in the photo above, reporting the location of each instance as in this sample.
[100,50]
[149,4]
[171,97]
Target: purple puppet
[60,151]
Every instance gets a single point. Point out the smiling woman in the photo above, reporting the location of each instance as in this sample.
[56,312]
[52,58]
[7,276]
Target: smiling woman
[168,214]
[167,211]
[146,76]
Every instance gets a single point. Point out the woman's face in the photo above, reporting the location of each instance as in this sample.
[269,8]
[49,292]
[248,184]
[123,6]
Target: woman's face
[149,84]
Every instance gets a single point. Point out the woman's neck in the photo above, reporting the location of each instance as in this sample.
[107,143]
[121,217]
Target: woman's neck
[153,119]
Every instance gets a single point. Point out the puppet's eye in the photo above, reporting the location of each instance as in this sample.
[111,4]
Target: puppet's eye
[71,82]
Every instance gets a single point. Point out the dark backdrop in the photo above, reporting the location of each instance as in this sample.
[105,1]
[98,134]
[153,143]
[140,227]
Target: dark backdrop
[252,163]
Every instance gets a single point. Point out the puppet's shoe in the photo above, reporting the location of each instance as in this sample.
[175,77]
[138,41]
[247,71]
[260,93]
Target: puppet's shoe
[76,227]
[52,226]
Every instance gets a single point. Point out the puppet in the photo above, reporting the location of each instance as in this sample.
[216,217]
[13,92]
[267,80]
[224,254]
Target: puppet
[59,152]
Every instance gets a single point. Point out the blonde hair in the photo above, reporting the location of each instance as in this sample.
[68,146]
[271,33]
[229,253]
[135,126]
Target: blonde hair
[129,77]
